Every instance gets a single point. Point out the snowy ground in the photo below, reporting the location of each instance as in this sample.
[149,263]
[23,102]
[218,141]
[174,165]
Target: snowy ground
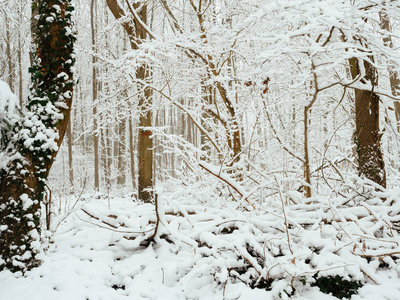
[96,254]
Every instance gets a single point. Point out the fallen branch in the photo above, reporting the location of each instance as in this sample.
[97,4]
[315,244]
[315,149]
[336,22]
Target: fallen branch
[115,230]
[97,218]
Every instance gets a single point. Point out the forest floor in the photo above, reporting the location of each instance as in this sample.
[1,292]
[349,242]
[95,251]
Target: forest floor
[99,250]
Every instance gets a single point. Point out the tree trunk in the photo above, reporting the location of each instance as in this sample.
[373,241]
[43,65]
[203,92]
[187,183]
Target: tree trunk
[21,79]
[393,76]
[22,182]
[368,136]
[207,100]
[307,172]
[132,151]
[107,155]
[145,144]
[70,157]
[94,94]
[136,35]
[10,77]
[121,157]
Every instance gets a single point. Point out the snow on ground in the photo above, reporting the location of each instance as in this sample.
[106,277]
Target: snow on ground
[98,251]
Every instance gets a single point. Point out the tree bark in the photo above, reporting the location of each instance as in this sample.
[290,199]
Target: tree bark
[22,183]
[368,136]
[94,94]
[145,145]
[132,151]
[393,76]
[10,77]
[136,35]
[21,79]
[121,157]
[70,155]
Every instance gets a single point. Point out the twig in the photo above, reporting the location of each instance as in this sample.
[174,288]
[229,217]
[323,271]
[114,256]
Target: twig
[48,208]
[115,230]
[365,273]
[246,256]
[97,218]
[278,138]
[285,218]
[390,227]
[71,210]
[223,179]
[158,219]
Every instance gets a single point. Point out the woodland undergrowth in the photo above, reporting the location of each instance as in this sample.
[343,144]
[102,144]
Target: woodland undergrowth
[286,244]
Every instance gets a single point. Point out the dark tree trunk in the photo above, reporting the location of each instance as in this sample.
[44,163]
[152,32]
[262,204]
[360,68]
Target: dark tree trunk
[145,148]
[22,183]
[368,136]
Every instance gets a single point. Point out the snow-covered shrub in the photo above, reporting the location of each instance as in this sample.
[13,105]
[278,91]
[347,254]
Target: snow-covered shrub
[9,114]
[336,242]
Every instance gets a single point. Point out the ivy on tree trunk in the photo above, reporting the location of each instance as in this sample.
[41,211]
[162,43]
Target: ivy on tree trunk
[38,135]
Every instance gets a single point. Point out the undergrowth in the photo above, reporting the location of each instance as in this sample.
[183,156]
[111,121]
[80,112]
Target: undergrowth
[333,242]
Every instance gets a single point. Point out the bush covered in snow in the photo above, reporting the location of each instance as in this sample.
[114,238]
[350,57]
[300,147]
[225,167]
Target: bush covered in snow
[9,113]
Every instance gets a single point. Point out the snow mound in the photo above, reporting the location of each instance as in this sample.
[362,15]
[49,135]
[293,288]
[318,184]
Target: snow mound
[8,101]
[8,111]
[9,116]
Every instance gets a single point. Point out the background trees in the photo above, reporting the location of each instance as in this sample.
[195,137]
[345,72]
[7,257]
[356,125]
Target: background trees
[276,99]
[236,88]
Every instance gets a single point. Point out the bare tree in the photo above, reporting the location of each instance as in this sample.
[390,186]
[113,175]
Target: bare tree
[137,33]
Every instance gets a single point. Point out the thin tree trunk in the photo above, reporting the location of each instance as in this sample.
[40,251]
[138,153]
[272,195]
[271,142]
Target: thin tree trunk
[307,110]
[307,172]
[108,146]
[10,77]
[207,100]
[106,155]
[121,157]
[132,151]
[21,79]
[94,94]
[393,76]
[145,143]
[70,155]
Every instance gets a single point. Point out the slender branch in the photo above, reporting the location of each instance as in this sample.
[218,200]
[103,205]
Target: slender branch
[190,116]
[169,12]
[221,178]
[139,20]
[98,219]
[284,216]
[158,219]
[278,138]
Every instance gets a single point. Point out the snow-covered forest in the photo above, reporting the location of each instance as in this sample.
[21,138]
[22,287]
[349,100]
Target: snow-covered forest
[199,149]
